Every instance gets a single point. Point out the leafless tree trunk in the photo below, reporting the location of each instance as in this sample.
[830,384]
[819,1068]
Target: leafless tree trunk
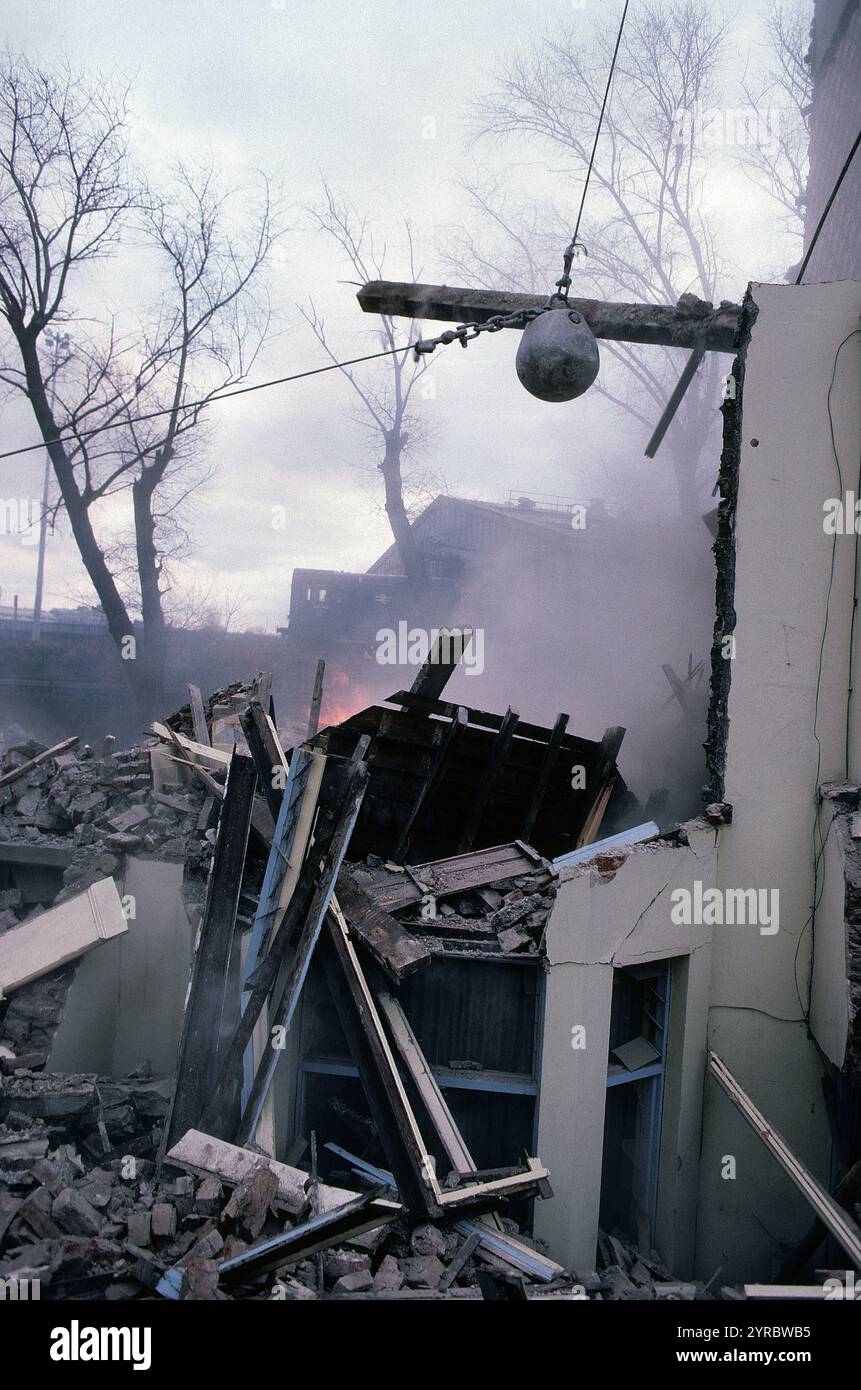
[49,226]
[388,401]
[67,193]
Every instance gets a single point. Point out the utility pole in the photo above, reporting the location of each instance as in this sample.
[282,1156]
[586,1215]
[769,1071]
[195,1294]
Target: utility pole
[59,344]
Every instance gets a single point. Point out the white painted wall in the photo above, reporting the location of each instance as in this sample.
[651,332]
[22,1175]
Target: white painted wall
[786,735]
[599,923]
[742,991]
[125,1004]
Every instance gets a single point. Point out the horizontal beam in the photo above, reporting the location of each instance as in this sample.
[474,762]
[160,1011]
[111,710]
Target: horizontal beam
[692,323]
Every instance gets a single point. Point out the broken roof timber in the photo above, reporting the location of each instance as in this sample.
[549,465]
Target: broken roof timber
[692,323]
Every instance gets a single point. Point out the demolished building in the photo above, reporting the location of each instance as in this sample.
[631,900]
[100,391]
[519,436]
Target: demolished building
[486,959]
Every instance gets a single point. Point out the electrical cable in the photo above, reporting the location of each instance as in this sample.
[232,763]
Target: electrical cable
[218,396]
[825,211]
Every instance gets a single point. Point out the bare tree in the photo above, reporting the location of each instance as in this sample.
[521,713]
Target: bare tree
[68,193]
[644,229]
[781,92]
[387,399]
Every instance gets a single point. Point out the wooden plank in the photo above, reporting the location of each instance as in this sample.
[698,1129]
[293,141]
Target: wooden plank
[398,1129]
[281,1015]
[206,1156]
[832,1216]
[395,949]
[61,934]
[425,1083]
[198,715]
[496,759]
[801,1292]
[195,752]
[466,1251]
[448,647]
[689,324]
[265,748]
[515,1252]
[457,874]
[446,740]
[43,757]
[206,1006]
[599,783]
[316,699]
[846,1192]
[364,1213]
[548,763]
[329,818]
[519,1184]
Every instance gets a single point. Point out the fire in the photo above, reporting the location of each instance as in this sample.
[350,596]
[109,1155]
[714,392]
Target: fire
[343,696]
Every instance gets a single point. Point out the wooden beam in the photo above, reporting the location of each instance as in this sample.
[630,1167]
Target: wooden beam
[393,947]
[206,1007]
[425,1083]
[42,757]
[329,822]
[691,323]
[446,737]
[398,1129]
[847,1191]
[61,934]
[435,674]
[548,762]
[496,757]
[316,699]
[265,748]
[838,1222]
[198,715]
[364,1213]
[456,875]
[599,780]
[282,1013]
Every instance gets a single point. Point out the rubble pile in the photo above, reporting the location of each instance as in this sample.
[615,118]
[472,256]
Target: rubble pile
[86,1209]
[85,811]
[627,1274]
[504,916]
[142,1186]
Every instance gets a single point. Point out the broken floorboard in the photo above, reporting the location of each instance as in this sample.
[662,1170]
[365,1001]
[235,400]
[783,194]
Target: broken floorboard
[458,874]
[395,949]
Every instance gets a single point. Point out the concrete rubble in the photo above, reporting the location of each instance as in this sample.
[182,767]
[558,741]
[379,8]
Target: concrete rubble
[91,1202]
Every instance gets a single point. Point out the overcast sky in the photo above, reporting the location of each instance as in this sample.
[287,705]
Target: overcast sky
[347,88]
